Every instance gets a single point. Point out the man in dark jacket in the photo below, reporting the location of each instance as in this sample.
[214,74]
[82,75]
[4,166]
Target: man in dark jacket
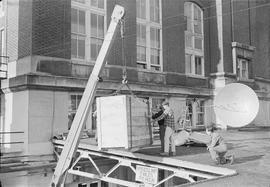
[161,125]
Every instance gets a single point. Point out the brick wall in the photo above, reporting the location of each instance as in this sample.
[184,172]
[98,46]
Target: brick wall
[262,51]
[173,36]
[44,29]
[227,37]
[12,30]
[25,29]
[51,28]
[214,53]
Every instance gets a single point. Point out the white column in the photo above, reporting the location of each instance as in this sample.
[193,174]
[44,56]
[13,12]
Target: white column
[220,65]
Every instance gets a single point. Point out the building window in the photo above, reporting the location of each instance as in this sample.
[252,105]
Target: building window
[141,9]
[79,1]
[242,68]
[200,113]
[2,8]
[97,3]
[195,113]
[154,11]
[194,50]
[73,106]
[3,59]
[2,44]
[78,33]
[88,28]
[97,34]
[243,56]
[149,43]
[74,102]
[189,112]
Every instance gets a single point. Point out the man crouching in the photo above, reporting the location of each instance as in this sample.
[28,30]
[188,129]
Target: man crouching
[217,147]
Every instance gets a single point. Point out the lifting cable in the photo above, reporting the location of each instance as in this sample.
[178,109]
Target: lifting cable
[124,71]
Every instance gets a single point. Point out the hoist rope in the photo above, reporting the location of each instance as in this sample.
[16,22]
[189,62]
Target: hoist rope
[124,71]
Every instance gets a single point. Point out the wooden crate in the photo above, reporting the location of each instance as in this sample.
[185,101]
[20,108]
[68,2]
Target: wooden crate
[122,122]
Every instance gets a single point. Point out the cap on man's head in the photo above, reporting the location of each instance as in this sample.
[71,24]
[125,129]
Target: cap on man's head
[159,106]
[165,103]
[211,127]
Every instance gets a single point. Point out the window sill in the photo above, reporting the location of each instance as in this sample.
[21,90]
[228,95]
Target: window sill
[246,80]
[149,71]
[196,76]
[82,61]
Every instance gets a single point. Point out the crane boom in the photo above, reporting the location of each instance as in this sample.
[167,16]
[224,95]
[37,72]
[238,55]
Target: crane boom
[72,141]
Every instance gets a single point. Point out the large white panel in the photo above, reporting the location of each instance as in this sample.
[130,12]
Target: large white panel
[112,122]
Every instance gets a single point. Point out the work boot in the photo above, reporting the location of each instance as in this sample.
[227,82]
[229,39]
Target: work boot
[164,154]
[230,159]
[223,160]
[217,161]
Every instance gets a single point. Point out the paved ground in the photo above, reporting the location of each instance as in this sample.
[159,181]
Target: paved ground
[251,148]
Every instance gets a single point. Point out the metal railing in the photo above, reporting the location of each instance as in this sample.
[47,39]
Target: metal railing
[16,139]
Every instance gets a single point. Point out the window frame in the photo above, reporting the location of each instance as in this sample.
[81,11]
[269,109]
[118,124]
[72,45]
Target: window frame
[200,110]
[90,121]
[71,111]
[191,50]
[2,8]
[194,111]
[3,60]
[150,24]
[89,9]
[240,61]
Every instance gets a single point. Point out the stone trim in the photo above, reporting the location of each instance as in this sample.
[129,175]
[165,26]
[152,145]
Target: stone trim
[61,83]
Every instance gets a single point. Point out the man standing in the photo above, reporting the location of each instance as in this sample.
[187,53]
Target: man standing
[168,117]
[160,124]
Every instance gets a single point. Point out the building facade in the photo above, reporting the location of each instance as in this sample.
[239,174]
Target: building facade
[182,51]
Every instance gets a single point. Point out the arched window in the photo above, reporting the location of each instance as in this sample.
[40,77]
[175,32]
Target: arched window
[194,42]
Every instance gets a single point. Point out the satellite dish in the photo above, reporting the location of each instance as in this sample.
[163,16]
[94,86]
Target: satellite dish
[236,105]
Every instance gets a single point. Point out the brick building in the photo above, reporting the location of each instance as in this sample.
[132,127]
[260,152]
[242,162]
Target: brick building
[182,51]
